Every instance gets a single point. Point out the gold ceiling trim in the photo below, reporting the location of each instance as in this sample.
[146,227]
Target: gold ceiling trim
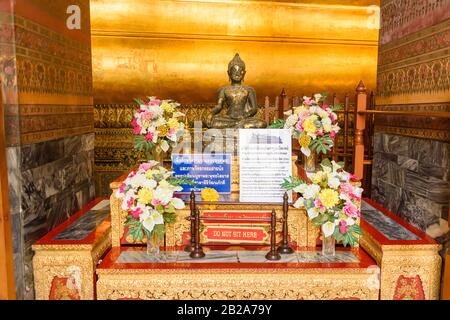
[335,4]
[221,37]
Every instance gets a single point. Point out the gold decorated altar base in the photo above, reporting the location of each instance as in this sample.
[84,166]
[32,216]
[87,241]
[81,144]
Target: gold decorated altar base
[134,278]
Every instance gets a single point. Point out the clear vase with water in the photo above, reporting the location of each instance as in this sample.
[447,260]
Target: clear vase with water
[328,246]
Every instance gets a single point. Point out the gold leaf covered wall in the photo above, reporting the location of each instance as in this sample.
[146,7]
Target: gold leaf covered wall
[180,49]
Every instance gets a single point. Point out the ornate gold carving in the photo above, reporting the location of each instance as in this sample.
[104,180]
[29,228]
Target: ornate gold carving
[238,284]
[68,261]
[441,135]
[407,261]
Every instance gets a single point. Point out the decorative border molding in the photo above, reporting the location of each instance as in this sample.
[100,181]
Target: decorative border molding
[440,135]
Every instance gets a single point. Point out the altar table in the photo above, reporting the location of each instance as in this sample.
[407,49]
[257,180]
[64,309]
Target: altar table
[237,274]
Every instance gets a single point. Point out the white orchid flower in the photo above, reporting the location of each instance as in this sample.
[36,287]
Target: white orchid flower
[147,221]
[301,188]
[300,203]
[328,229]
[306,151]
[178,203]
[164,145]
[334,183]
[311,191]
[312,213]
[157,217]
[318,97]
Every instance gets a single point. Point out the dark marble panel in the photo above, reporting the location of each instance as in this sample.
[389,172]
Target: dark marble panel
[87,142]
[393,195]
[378,142]
[19,275]
[441,173]
[408,163]
[418,210]
[82,227]
[36,155]
[388,227]
[58,208]
[396,145]
[428,187]
[33,191]
[14,179]
[72,146]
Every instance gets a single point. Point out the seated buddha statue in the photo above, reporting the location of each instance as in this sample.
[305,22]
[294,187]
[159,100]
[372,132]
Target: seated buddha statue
[240,101]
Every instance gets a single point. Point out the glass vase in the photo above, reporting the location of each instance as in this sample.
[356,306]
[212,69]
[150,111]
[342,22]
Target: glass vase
[328,246]
[310,162]
[158,155]
[153,247]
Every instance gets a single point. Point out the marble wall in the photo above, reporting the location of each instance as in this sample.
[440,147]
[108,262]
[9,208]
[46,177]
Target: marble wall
[46,75]
[411,154]
[411,178]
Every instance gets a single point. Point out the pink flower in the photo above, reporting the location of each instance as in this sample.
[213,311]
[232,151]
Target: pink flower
[137,129]
[325,107]
[136,213]
[351,210]
[343,227]
[333,116]
[346,188]
[155,102]
[149,136]
[155,202]
[319,204]
[354,178]
[333,134]
[308,102]
[299,126]
[148,116]
[121,188]
[130,202]
[319,133]
[172,132]
[145,166]
[355,196]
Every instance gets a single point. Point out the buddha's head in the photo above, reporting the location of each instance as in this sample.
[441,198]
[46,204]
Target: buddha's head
[236,69]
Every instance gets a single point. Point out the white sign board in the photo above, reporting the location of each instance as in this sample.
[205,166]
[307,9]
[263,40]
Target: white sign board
[265,160]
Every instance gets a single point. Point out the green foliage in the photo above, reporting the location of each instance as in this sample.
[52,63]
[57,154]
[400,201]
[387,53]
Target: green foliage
[138,101]
[336,107]
[160,230]
[350,237]
[278,124]
[141,144]
[292,183]
[321,144]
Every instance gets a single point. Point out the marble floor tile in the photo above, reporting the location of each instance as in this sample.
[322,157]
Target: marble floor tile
[260,257]
[388,227]
[317,257]
[216,256]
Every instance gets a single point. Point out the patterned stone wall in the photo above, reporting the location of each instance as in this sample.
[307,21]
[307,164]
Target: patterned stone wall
[47,89]
[411,154]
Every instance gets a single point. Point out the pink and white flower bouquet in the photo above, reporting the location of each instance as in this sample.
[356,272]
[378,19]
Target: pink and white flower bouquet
[156,125]
[314,124]
[148,196]
[332,201]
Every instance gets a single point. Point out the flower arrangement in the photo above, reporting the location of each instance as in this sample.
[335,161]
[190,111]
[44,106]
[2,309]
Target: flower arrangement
[313,123]
[148,196]
[332,201]
[156,125]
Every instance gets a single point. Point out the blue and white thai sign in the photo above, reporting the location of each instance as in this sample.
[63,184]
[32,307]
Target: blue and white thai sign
[207,170]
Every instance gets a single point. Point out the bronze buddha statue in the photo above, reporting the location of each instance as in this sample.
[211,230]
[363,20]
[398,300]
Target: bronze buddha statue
[240,101]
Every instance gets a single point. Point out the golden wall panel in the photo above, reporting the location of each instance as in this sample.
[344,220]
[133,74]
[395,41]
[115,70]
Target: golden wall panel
[180,49]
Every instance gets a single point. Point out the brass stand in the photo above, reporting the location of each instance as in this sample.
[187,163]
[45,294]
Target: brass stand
[273,254]
[193,207]
[285,248]
[197,253]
